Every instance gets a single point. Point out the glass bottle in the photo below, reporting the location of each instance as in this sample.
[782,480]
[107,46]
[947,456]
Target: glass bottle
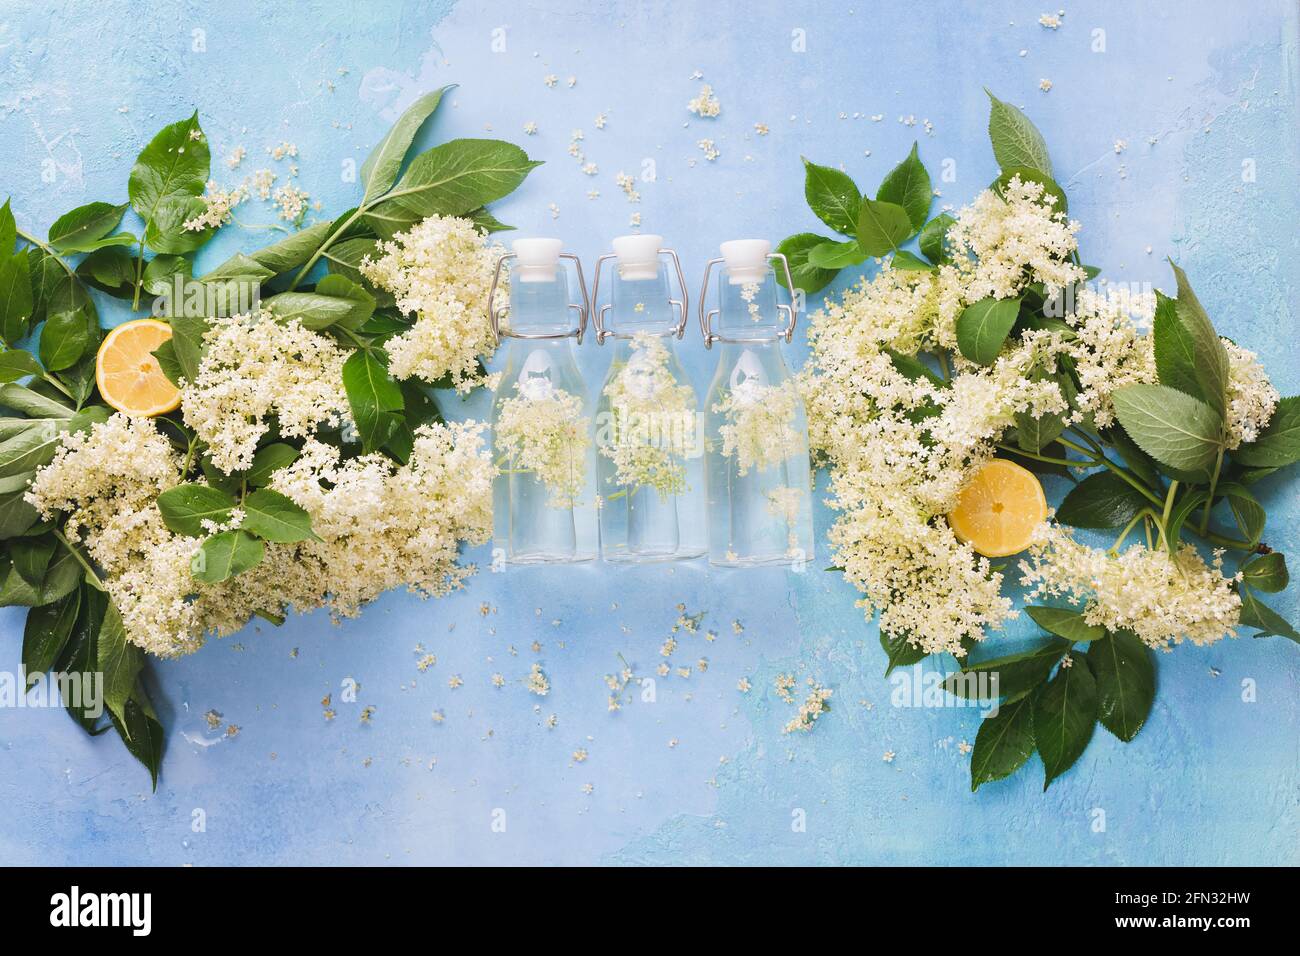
[759,479]
[649,433]
[543,497]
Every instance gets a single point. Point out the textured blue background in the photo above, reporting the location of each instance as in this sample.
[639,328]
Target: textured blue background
[1212,779]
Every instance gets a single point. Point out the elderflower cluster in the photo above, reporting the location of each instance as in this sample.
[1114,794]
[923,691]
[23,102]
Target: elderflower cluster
[542,430]
[758,424]
[377,526]
[1108,350]
[1161,598]
[813,706]
[440,271]
[652,420]
[256,367]
[1251,396]
[218,204]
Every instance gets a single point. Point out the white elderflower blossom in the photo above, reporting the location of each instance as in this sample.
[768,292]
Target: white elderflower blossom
[378,526]
[758,424]
[1252,398]
[542,430]
[218,204]
[1163,599]
[255,367]
[705,104]
[440,271]
[1109,352]
[652,427]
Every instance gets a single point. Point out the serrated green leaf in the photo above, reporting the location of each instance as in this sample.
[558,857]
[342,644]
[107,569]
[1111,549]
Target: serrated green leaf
[1065,713]
[118,660]
[1126,682]
[983,326]
[1010,677]
[1034,433]
[1209,358]
[1026,174]
[1266,572]
[882,227]
[1004,742]
[175,164]
[274,517]
[1065,623]
[46,633]
[1278,444]
[806,276]
[268,460]
[836,255]
[1255,613]
[1102,500]
[1016,141]
[1172,427]
[64,339]
[185,507]
[833,197]
[908,185]
[15,297]
[226,555]
[16,364]
[381,167]
[82,229]
[933,235]
[295,250]
[899,652]
[374,397]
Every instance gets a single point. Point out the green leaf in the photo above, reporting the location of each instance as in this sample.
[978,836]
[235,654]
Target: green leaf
[273,517]
[173,166]
[1028,174]
[30,449]
[932,238]
[899,652]
[909,262]
[1125,672]
[1003,744]
[159,276]
[1267,573]
[1065,623]
[1009,677]
[16,515]
[381,167]
[983,326]
[912,368]
[185,507]
[486,222]
[882,226]
[268,460]
[806,276]
[15,297]
[82,229]
[46,633]
[1278,444]
[450,180]
[375,399]
[78,656]
[111,270]
[187,343]
[1133,457]
[16,364]
[118,660]
[1257,614]
[1209,358]
[141,732]
[1246,511]
[1103,500]
[8,230]
[1016,141]
[62,577]
[836,255]
[833,196]
[64,339]
[1065,713]
[1033,434]
[165,232]
[908,185]
[31,557]
[295,250]
[1179,514]
[336,301]
[226,555]
[1172,427]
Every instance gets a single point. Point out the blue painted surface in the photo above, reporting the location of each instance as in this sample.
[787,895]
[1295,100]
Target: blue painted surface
[1212,779]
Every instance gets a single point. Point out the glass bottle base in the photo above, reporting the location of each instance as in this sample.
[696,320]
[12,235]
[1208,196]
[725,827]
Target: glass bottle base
[650,557]
[547,557]
[758,561]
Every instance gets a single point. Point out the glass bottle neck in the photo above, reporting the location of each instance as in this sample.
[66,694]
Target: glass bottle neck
[539,308]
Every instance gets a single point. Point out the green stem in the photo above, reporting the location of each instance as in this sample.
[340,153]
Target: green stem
[307,267]
[28,237]
[1045,458]
[1164,517]
[1145,512]
[1209,499]
[1103,460]
[91,574]
[139,276]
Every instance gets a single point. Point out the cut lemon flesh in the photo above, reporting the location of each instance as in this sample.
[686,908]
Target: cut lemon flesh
[999,509]
[129,377]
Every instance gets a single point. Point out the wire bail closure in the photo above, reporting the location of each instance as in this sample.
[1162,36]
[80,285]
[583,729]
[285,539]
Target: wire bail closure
[682,304]
[583,307]
[706,318]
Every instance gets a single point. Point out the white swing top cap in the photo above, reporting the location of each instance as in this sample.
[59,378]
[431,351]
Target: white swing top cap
[746,260]
[536,260]
[638,256]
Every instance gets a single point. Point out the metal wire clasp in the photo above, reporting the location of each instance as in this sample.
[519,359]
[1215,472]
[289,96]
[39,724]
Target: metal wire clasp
[682,304]
[584,307]
[706,318]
